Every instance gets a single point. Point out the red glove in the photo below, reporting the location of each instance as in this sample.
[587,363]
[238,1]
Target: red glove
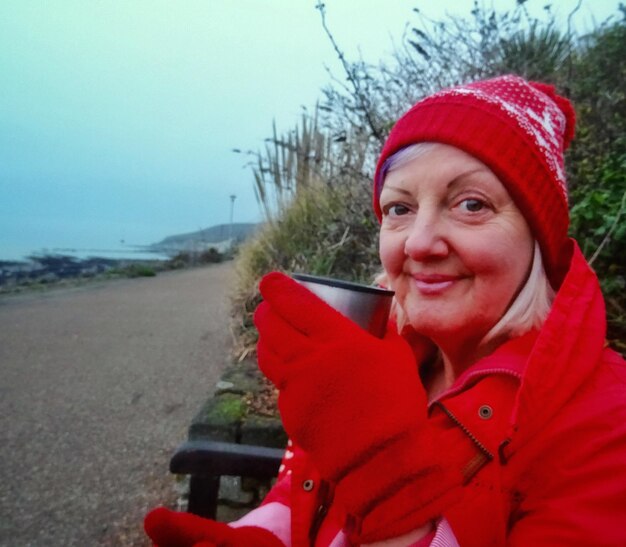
[171,529]
[356,405]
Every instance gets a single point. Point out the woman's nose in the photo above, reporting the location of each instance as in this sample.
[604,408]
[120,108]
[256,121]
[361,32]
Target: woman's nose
[426,238]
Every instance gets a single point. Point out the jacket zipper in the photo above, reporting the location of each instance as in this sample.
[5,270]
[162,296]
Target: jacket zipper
[481,459]
[325,499]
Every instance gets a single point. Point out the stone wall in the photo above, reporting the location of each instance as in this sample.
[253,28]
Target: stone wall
[228,416]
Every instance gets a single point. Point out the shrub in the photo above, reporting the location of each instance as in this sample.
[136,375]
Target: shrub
[210,256]
[139,270]
[186,259]
[327,231]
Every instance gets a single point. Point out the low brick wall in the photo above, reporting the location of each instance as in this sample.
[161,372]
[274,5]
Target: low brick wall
[228,417]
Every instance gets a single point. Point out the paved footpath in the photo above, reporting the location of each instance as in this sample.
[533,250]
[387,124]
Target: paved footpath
[97,387]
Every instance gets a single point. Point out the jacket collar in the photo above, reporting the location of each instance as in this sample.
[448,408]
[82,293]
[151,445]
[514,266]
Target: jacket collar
[565,352]
[509,359]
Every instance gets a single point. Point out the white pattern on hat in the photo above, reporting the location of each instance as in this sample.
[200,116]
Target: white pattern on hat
[533,111]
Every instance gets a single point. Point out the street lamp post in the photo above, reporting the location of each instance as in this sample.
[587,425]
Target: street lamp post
[230,226]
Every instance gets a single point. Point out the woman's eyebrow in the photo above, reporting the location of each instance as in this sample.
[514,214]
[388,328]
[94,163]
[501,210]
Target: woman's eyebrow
[456,180]
[396,189]
[459,178]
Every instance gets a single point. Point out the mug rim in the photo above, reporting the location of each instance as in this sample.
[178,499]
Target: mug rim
[341,284]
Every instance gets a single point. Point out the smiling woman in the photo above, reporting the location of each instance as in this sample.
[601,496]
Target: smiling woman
[446,237]
[492,206]
[491,412]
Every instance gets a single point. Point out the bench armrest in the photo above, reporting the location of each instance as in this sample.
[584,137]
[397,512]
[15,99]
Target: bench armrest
[206,461]
[208,458]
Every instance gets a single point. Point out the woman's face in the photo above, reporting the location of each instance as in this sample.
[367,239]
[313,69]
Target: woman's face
[455,247]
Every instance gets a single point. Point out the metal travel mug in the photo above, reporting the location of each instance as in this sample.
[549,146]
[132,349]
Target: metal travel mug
[367,306]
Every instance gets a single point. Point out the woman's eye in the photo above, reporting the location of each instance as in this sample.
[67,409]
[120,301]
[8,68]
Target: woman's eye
[397,210]
[472,205]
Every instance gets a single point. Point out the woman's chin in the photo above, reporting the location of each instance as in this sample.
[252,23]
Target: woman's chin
[444,333]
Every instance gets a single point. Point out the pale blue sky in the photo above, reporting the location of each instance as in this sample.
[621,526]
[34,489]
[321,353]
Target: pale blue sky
[118,117]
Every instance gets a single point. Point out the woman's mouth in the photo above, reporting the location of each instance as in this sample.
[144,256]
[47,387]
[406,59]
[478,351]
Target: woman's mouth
[432,284]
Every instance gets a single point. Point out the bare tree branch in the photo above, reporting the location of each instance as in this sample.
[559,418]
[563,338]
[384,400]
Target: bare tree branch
[362,101]
[607,237]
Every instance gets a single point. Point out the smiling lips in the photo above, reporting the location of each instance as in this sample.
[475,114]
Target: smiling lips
[433,284]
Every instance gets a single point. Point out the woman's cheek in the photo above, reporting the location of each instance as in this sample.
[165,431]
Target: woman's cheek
[391,251]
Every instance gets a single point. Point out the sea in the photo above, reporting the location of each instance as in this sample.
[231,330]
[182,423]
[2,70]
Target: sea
[123,252]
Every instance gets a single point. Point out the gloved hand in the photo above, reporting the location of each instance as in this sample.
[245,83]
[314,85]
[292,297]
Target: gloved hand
[356,405]
[168,528]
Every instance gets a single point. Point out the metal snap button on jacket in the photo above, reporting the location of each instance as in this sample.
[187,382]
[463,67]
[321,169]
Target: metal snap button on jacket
[485,412]
[308,485]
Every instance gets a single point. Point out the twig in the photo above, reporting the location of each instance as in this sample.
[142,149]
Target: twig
[357,90]
[607,237]
[342,241]
[571,15]
[570,65]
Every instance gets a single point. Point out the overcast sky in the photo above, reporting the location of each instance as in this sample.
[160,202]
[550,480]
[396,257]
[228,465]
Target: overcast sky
[118,117]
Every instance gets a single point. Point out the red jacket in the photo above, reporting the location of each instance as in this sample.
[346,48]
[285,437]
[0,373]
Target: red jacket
[551,408]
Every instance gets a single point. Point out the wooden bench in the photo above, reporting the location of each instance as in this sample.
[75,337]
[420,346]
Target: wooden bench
[205,461]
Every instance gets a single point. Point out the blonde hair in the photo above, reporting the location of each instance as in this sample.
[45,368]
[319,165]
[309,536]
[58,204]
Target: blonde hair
[530,307]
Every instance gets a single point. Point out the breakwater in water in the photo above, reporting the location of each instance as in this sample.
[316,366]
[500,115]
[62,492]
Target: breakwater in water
[54,268]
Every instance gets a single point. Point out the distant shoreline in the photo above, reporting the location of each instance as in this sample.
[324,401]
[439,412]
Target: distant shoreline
[130,252]
[57,270]
[71,265]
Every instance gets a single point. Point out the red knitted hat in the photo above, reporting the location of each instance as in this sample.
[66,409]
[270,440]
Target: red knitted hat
[520,130]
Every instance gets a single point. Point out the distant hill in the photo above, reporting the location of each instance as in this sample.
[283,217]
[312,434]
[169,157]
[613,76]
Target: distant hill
[219,237]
